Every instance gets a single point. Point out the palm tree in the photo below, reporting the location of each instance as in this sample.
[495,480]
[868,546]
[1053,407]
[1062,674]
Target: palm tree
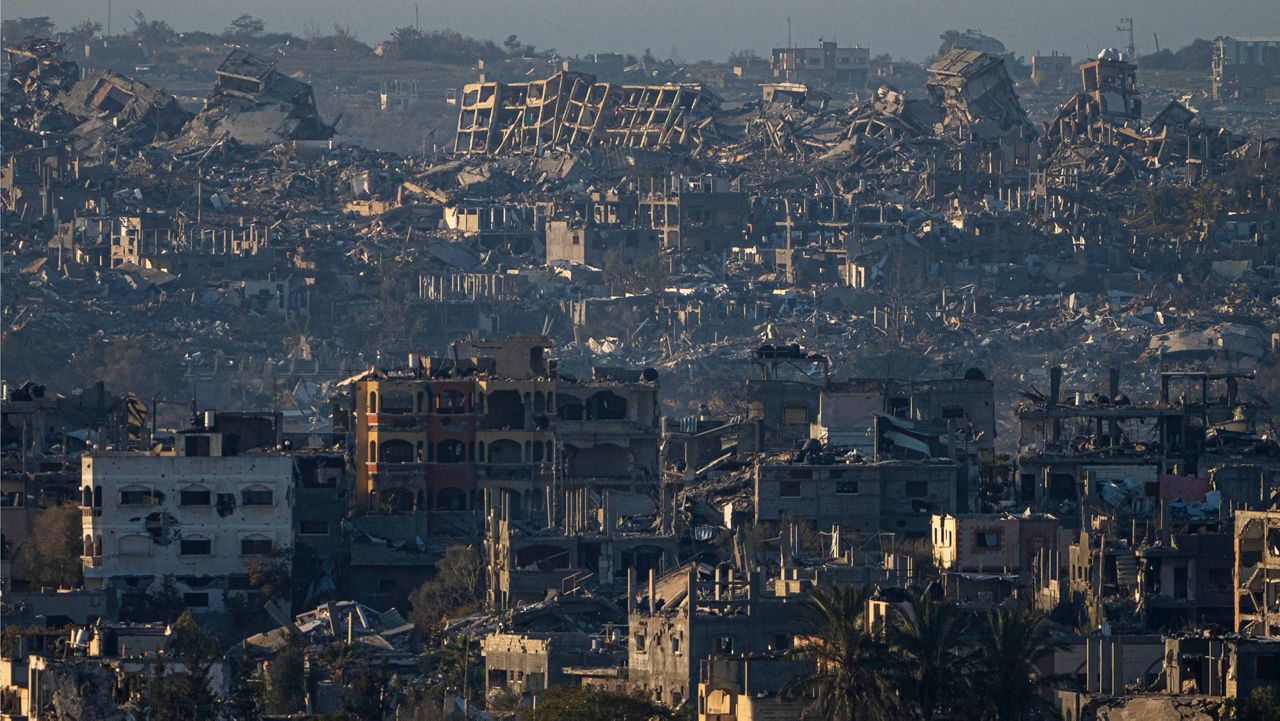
[1012,646]
[927,656]
[844,682]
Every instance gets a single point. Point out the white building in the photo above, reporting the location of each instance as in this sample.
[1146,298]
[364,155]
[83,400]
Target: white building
[192,520]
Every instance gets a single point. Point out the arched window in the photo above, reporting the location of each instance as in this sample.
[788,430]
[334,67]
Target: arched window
[257,495]
[256,544]
[606,406]
[396,450]
[451,401]
[396,402]
[373,402]
[195,496]
[373,452]
[504,450]
[504,409]
[195,545]
[451,451]
[136,496]
[570,408]
[136,544]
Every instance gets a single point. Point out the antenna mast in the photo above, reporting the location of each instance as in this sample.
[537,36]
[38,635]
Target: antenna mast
[1126,26]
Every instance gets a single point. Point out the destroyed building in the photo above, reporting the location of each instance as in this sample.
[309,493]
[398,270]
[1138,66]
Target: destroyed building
[254,104]
[684,343]
[694,612]
[572,110]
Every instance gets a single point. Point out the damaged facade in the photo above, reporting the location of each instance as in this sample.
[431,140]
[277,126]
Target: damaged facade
[665,354]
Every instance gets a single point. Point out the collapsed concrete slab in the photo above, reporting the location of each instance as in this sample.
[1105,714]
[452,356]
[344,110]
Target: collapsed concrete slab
[572,110]
[977,95]
[255,105]
[117,107]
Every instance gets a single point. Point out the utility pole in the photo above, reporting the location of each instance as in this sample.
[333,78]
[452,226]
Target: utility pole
[1126,26]
[466,671]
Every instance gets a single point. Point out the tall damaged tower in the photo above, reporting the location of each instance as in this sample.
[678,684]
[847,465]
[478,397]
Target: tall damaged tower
[977,96]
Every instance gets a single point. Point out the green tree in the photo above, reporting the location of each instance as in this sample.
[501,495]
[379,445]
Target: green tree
[337,658]
[51,554]
[1197,56]
[1013,646]
[82,33]
[366,698]
[246,27]
[457,585]
[272,573]
[562,703]
[461,665]
[1262,704]
[184,694]
[151,33]
[128,364]
[242,703]
[15,29]
[285,689]
[445,46]
[846,682]
[927,656]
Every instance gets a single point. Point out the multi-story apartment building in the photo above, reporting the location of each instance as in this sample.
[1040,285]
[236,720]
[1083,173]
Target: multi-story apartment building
[189,521]
[498,418]
[826,65]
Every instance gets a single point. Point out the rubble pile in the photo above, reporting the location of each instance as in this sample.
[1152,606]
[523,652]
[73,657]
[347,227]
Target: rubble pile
[605,390]
[949,224]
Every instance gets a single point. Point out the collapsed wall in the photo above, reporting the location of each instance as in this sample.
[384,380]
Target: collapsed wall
[572,110]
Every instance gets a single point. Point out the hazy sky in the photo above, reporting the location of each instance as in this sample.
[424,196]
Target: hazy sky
[698,29]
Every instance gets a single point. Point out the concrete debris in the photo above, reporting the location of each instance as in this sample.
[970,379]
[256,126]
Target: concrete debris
[254,104]
[629,359]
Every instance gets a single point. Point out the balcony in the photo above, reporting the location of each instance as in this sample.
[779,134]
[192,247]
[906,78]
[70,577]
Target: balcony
[530,472]
[399,471]
[611,428]
[398,422]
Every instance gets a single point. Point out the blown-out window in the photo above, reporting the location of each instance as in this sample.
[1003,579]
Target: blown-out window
[137,496]
[196,546]
[257,496]
[256,545]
